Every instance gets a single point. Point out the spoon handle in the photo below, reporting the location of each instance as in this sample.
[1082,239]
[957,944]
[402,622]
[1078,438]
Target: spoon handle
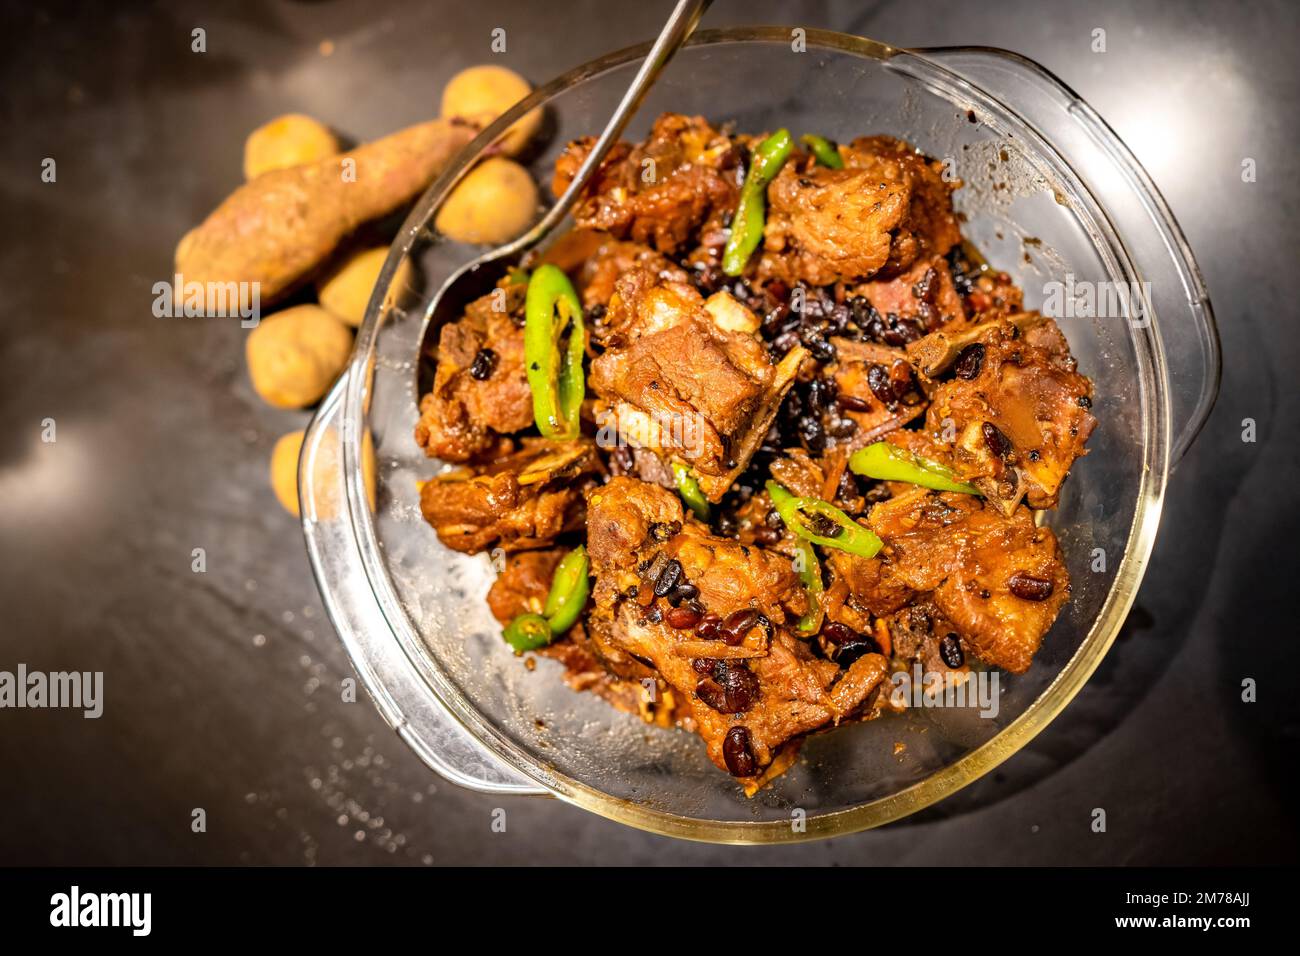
[681,24]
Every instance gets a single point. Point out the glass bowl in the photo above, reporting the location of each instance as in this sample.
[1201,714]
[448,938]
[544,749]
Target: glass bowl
[1050,195]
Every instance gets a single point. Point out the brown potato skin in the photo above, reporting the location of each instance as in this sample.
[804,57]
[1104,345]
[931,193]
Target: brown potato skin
[277,229]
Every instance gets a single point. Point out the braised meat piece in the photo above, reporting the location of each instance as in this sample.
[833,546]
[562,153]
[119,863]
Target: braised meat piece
[831,225]
[726,645]
[924,295]
[863,588]
[687,379]
[644,302]
[620,517]
[931,226]
[634,530]
[683,178]
[922,634]
[875,389]
[745,721]
[521,500]
[595,260]
[1000,580]
[1016,411]
[800,473]
[480,391]
[612,259]
[886,208]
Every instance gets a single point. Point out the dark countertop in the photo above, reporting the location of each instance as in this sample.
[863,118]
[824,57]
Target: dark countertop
[214,680]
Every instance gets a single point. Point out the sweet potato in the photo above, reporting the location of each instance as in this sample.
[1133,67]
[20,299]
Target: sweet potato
[277,229]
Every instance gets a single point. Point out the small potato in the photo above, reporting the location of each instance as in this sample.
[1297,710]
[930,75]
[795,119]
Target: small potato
[494,203]
[482,93]
[284,473]
[346,291]
[290,140]
[294,356]
[284,470]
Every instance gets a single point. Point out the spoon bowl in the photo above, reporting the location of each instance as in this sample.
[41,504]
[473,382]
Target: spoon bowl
[475,278]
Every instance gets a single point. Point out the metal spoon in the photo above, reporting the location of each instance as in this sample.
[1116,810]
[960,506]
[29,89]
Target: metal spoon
[472,280]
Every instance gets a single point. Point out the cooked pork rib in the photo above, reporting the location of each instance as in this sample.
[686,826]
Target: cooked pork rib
[1016,412]
[1000,580]
[886,208]
[662,191]
[687,378]
[764,681]
[480,391]
[522,500]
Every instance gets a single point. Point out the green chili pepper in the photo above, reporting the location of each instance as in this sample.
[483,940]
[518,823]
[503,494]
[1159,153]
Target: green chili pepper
[517,275]
[843,532]
[569,590]
[528,632]
[810,576]
[554,374]
[690,491]
[747,224]
[564,604]
[886,462]
[823,149]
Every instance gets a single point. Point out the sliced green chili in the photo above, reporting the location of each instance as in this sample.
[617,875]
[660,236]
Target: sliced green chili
[569,590]
[564,604]
[747,224]
[554,371]
[810,576]
[528,632]
[690,491]
[517,275]
[887,462]
[809,517]
[823,149]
